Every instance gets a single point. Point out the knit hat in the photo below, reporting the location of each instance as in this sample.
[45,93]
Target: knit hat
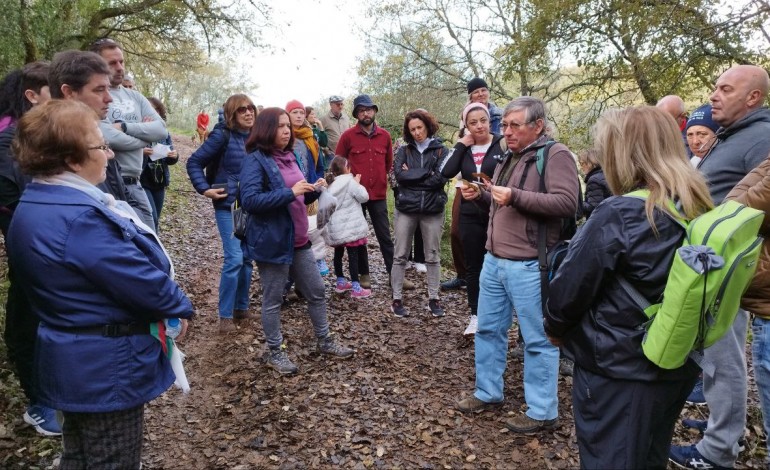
[473,106]
[364,101]
[293,104]
[702,117]
[475,84]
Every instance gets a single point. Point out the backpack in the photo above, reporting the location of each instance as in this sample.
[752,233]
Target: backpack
[213,166]
[710,272]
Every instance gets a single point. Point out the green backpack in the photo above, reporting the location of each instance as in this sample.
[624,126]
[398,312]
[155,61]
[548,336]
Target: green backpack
[710,273]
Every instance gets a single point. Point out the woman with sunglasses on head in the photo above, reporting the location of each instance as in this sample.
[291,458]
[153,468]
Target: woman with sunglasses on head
[276,186]
[225,148]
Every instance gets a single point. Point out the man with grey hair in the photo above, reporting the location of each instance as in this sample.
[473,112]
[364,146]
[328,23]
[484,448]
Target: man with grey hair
[524,197]
[743,142]
[335,122]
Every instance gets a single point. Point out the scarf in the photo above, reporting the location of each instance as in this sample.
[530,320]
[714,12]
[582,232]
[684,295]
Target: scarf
[305,133]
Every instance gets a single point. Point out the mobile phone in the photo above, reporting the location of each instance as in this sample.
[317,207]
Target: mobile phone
[219,186]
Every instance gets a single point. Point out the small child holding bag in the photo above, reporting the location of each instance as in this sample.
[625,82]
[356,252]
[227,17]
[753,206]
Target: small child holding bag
[347,227]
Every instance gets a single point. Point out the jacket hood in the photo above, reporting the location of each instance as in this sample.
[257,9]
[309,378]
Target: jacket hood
[759,115]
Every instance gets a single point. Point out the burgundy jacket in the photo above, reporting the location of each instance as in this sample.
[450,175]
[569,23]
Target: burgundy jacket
[371,156]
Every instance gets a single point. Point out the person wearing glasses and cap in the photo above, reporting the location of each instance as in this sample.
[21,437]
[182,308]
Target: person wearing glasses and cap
[335,122]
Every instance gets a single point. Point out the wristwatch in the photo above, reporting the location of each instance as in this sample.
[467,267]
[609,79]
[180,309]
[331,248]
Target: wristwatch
[123,127]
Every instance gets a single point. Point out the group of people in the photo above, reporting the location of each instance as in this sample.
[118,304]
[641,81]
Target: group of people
[94,281]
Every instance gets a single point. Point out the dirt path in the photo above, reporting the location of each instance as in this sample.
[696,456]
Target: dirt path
[390,406]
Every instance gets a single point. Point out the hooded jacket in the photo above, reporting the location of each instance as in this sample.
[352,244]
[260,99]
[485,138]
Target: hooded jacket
[421,185]
[347,224]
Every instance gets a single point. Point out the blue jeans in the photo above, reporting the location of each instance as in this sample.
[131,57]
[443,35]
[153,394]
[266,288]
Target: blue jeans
[156,198]
[236,271]
[760,352]
[506,285]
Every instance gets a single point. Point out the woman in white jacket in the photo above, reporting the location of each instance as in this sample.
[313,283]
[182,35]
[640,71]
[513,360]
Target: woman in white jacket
[347,227]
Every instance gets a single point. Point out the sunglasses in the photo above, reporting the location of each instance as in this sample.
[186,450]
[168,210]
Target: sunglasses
[243,109]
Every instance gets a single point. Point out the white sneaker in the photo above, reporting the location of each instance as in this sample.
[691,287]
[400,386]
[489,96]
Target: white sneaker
[473,325]
[420,267]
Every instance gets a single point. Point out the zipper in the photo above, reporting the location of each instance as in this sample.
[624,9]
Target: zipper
[717,222]
[733,267]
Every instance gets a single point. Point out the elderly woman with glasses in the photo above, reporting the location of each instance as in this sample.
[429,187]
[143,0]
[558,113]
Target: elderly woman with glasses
[221,156]
[101,284]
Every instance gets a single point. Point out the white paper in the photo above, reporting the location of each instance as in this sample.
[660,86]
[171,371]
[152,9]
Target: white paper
[159,151]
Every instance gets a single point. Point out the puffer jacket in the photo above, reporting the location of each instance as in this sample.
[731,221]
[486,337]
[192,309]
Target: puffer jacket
[754,191]
[229,166]
[347,224]
[596,190]
[587,307]
[421,186]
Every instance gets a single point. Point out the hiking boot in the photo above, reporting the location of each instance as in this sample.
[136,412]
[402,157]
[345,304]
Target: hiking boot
[697,424]
[328,346]
[279,360]
[239,315]
[565,367]
[398,309]
[358,292]
[524,424]
[342,286]
[453,284]
[474,405]
[366,281]
[435,308]
[43,419]
[689,457]
[420,267]
[473,326]
[292,296]
[226,325]
[323,268]
[696,397]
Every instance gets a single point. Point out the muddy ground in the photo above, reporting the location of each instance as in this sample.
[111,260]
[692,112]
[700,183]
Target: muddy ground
[391,406]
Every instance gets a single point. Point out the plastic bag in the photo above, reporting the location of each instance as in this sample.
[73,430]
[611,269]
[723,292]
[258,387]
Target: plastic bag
[327,204]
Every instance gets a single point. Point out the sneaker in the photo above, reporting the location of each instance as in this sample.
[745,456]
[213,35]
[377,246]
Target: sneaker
[697,424]
[366,281]
[524,424]
[328,346]
[398,309]
[43,419]
[420,267]
[473,326]
[226,325]
[565,367]
[453,284]
[322,267]
[358,292]
[279,360]
[474,405]
[342,286]
[435,308]
[696,397]
[689,457]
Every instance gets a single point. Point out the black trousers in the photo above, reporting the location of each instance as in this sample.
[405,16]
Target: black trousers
[358,259]
[103,440]
[378,213]
[473,234]
[625,424]
[21,335]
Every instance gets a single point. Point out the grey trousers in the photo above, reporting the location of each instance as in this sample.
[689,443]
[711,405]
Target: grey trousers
[141,204]
[405,225]
[308,280]
[726,393]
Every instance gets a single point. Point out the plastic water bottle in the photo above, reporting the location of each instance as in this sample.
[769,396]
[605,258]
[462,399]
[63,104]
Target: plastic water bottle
[173,327]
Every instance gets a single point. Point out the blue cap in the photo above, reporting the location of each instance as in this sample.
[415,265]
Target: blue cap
[364,101]
[702,117]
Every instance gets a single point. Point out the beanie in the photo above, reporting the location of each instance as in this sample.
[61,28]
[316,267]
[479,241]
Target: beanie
[293,104]
[475,84]
[702,117]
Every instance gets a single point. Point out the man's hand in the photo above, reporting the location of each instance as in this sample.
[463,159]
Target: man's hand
[558,342]
[215,194]
[501,195]
[469,192]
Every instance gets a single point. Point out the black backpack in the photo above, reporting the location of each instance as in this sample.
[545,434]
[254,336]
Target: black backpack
[213,167]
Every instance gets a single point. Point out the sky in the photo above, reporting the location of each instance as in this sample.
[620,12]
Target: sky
[316,47]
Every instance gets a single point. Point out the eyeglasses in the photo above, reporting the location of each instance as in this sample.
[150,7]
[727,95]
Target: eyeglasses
[366,110]
[243,109]
[514,125]
[104,147]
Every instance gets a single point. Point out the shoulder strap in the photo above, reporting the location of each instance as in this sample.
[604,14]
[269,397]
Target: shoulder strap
[541,160]
[644,193]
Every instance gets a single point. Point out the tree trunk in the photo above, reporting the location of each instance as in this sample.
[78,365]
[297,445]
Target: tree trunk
[27,39]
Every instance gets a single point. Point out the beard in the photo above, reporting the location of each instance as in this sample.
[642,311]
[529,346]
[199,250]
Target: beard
[367,121]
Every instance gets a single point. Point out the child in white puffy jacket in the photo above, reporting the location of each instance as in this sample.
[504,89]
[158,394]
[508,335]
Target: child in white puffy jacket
[347,227]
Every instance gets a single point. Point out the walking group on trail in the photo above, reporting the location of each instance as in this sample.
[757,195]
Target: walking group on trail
[586,270]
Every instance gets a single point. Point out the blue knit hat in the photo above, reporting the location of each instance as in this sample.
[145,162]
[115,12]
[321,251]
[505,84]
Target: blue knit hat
[702,117]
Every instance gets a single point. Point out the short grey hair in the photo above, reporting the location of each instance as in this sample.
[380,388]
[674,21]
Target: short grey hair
[534,109]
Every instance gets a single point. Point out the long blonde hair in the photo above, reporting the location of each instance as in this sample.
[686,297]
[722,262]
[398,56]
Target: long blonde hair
[641,147]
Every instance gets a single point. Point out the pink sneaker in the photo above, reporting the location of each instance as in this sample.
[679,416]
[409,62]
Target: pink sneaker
[342,287]
[360,293]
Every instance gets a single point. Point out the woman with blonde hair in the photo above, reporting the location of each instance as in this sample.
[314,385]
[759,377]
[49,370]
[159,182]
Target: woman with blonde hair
[625,407]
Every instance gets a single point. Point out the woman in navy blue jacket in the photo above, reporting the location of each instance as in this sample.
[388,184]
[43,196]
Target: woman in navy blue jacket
[227,145]
[275,191]
[101,284]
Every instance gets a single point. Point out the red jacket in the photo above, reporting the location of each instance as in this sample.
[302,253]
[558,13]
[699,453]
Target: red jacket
[371,156]
[203,121]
